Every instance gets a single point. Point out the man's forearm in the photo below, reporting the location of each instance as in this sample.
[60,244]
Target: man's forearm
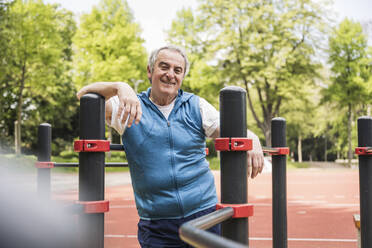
[106,89]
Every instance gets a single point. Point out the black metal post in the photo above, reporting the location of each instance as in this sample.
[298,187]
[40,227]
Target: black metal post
[365,182]
[92,168]
[44,155]
[234,187]
[279,184]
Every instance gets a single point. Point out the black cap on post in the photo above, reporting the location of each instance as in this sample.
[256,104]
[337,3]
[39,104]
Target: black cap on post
[234,187]
[365,182]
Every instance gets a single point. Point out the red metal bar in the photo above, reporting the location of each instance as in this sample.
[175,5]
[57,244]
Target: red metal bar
[276,150]
[93,207]
[240,210]
[363,150]
[44,165]
[92,146]
[233,144]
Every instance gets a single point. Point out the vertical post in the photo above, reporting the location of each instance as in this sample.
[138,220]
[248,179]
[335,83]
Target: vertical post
[234,187]
[279,184]
[44,155]
[92,168]
[365,182]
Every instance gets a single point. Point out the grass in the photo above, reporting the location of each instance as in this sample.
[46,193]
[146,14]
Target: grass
[26,162]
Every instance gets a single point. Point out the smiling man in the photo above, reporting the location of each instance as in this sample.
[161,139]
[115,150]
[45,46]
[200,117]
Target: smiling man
[171,179]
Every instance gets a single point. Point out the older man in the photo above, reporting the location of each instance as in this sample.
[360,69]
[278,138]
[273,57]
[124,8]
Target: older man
[165,148]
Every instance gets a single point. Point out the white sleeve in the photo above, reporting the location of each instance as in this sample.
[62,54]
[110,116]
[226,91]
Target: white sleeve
[210,117]
[115,121]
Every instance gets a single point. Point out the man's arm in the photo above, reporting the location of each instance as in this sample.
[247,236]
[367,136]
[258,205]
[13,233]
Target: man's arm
[128,100]
[255,159]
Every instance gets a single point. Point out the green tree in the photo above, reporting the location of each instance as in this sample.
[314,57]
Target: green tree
[267,47]
[36,67]
[350,88]
[109,46]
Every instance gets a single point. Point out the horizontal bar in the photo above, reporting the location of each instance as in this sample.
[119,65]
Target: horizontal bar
[193,232]
[116,147]
[77,164]
[116,164]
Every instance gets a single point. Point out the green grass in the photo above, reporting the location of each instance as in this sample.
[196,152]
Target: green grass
[297,165]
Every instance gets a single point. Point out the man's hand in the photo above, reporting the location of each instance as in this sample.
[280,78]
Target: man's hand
[129,104]
[255,158]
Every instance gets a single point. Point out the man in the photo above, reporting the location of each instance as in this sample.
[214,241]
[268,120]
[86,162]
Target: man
[165,148]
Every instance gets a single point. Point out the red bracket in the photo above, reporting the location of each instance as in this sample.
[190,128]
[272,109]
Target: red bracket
[94,207]
[92,145]
[206,151]
[240,210]
[44,165]
[363,150]
[277,150]
[233,144]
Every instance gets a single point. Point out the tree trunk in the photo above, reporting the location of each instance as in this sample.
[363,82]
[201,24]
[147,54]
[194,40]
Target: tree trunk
[299,148]
[17,138]
[325,148]
[350,151]
[19,111]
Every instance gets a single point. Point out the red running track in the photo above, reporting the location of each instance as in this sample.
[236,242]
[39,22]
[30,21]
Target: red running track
[320,207]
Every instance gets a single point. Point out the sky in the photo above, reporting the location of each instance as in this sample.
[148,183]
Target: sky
[155,16]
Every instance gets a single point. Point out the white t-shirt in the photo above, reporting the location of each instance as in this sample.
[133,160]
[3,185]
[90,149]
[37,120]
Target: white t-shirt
[210,116]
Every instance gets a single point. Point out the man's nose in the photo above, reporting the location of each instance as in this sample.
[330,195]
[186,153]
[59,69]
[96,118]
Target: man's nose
[170,74]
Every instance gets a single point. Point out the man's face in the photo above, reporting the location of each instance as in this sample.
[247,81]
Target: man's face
[168,73]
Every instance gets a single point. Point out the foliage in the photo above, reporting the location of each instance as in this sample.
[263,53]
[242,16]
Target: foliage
[351,82]
[35,82]
[108,46]
[267,47]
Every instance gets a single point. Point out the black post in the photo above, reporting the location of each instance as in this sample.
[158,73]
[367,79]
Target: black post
[365,182]
[92,168]
[234,187]
[44,155]
[279,184]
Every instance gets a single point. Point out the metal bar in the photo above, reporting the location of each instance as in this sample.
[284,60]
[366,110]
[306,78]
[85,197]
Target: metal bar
[72,164]
[116,164]
[234,185]
[44,155]
[193,232]
[279,184]
[116,147]
[92,169]
[365,182]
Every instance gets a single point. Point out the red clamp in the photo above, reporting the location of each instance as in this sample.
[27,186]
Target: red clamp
[276,150]
[92,145]
[240,210]
[363,150]
[233,144]
[94,207]
[44,165]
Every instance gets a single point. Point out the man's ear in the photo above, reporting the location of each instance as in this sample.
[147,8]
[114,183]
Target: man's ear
[149,74]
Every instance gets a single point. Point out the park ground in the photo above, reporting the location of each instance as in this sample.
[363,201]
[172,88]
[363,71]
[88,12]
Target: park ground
[321,202]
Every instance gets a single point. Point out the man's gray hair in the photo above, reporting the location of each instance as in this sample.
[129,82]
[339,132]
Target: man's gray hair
[154,56]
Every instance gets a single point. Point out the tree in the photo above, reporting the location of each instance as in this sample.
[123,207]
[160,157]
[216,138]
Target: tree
[267,47]
[35,67]
[351,68]
[109,46]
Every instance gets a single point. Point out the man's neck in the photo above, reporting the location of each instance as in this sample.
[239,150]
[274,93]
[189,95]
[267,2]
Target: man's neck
[162,101]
